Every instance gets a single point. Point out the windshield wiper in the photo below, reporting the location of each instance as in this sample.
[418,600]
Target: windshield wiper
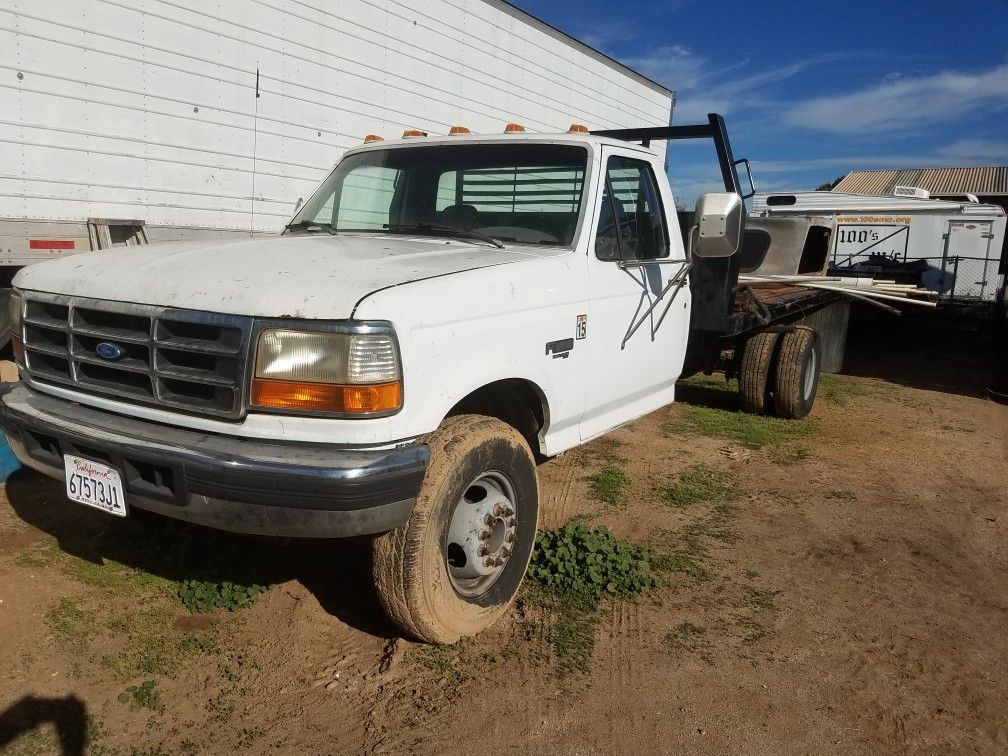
[438,230]
[310,226]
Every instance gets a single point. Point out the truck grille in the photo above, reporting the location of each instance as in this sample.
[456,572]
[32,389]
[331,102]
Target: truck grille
[181,359]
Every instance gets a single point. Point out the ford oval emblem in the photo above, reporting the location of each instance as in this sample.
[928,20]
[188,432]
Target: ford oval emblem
[109,351]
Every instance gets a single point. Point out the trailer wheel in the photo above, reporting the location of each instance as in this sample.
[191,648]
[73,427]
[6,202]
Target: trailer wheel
[456,566]
[754,373]
[797,375]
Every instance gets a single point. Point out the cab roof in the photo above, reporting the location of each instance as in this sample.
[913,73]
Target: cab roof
[562,137]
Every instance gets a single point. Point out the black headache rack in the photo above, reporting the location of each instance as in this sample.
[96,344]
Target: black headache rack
[723,315]
[714,130]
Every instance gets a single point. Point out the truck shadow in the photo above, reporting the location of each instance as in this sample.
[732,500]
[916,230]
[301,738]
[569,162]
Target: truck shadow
[68,715]
[957,354]
[336,572]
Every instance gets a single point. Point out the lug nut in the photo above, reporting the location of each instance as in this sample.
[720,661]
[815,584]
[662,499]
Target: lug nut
[499,510]
[484,535]
[512,522]
[483,551]
[505,553]
[508,512]
[510,537]
[488,562]
[488,519]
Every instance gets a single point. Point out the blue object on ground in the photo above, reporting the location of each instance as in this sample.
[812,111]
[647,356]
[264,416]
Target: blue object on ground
[9,464]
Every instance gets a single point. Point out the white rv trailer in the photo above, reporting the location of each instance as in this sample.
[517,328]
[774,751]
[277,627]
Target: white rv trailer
[907,227]
[127,121]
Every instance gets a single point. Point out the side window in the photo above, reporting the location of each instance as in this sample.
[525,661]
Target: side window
[631,222]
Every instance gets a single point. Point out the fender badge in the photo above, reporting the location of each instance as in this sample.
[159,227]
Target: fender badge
[560,349]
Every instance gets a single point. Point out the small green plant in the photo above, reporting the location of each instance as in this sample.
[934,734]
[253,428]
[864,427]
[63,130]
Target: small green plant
[754,431]
[589,562]
[700,483]
[142,696]
[572,569]
[609,485]
[202,596]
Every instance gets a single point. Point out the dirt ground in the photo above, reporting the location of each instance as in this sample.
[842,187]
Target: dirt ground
[845,592]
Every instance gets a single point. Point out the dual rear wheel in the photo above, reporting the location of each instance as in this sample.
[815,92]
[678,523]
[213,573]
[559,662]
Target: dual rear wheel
[779,372]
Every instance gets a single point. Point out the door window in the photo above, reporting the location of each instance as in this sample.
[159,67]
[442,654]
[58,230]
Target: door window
[631,222]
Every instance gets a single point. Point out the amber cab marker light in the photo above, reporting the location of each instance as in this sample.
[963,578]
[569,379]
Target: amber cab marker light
[513,128]
[326,397]
[410,133]
[373,138]
[458,130]
[577,128]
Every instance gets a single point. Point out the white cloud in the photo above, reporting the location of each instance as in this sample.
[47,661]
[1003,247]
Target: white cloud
[904,102]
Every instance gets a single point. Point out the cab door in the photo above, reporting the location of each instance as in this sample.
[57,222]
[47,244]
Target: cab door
[635,357]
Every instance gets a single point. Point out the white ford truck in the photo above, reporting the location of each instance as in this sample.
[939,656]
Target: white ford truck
[442,312]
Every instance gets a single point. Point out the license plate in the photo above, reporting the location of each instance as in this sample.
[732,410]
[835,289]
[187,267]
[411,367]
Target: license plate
[94,484]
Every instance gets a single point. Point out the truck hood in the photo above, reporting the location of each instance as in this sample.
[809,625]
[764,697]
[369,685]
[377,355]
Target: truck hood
[300,276]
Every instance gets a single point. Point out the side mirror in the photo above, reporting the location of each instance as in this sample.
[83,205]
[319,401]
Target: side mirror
[719,220]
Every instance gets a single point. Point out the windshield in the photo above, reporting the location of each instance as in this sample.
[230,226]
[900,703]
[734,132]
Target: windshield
[519,193]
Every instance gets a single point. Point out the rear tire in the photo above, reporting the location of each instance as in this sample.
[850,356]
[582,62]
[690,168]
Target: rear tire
[428,576]
[797,375]
[754,373]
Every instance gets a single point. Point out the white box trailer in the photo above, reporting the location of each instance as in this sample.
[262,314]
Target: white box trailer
[960,242]
[141,120]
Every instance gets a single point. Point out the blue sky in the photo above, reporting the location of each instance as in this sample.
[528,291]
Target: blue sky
[815,89]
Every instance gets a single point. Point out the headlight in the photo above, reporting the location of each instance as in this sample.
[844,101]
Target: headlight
[346,373]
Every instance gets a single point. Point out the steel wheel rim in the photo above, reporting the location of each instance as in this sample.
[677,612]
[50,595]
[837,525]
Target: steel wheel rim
[481,534]
[810,374]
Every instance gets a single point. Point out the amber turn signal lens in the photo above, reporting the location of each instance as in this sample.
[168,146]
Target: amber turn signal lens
[326,397]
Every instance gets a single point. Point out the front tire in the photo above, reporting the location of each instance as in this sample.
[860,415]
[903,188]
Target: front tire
[455,567]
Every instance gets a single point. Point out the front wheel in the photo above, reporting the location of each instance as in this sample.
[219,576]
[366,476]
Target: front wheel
[456,565]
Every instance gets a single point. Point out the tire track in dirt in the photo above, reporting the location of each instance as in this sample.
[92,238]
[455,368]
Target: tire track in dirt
[557,481]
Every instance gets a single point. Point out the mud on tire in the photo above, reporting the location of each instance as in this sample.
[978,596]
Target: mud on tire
[410,563]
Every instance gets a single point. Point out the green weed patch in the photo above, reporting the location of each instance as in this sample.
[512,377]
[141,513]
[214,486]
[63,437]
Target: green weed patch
[754,431]
[698,484]
[202,596]
[609,485]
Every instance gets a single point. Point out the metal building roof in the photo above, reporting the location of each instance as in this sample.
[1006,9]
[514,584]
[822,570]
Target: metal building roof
[987,179]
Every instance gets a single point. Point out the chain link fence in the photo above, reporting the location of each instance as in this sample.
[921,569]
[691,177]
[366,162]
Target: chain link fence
[965,279]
